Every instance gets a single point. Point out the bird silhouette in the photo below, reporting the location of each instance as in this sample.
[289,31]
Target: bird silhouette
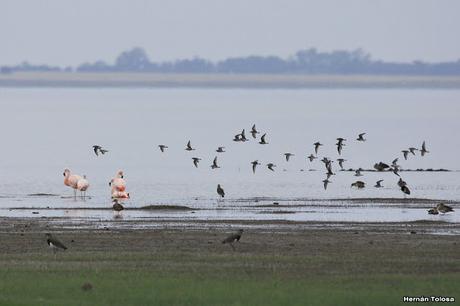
[220,150]
[162,147]
[262,139]
[220,191]
[288,156]
[378,184]
[254,131]
[311,157]
[254,165]
[423,151]
[196,160]
[317,145]
[271,166]
[98,149]
[361,137]
[189,146]
[214,163]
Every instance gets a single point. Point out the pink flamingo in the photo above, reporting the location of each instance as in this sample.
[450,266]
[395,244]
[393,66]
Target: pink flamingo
[83,185]
[120,194]
[71,180]
[118,183]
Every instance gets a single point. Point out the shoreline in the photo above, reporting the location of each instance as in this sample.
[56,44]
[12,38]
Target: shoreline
[223,81]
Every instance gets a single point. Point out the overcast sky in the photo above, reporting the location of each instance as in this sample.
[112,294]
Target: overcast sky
[67,32]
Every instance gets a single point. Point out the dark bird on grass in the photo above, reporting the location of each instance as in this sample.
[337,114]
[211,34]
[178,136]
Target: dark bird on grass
[311,157]
[117,207]
[196,160]
[254,131]
[262,139]
[358,184]
[341,161]
[358,172]
[189,146]
[361,137]
[325,183]
[433,211]
[162,147]
[54,243]
[378,184]
[271,166]
[317,145]
[98,149]
[405,153]
[412,150]
[405,189]
[401,183]
[254,165]
[233,238]
[423,151]
[443,208]
[220,191]
[214,163]
[288,155]
[380,166]
[220,150]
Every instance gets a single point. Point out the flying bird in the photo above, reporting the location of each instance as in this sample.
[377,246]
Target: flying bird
[237,138]
[325,183]
[162,147]
[220,150]
[317,145]
[412,150]
[233,238]
[254,131]
[288,155]
[262,139]
[361,137]
[254,165]
[423,151]
[220,191]
[214,163]
[405,153]
[98,149]
[243,136]
[196,160]
[311,157]
[270,166]
[378,184]
[341,161]
[189,147]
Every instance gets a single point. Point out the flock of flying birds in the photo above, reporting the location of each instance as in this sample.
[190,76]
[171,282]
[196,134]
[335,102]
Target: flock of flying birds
[393,167]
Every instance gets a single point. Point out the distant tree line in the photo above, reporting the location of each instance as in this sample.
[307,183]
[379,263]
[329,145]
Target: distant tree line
[308,61]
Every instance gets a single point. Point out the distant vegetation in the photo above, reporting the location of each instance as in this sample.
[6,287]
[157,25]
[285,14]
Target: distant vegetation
[308,61]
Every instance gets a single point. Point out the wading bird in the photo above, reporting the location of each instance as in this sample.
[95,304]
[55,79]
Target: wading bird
[82,186]
[233,238]
[71,180]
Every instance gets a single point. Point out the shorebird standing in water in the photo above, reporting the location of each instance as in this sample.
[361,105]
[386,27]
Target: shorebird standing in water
[288,155]
[317,145]
[233,238]
[71,180]
[262,139]
[361,137]
[358,184]
[423,151]
[54,244]
[270,166]
[220,191]
[378,184]
[162,147]
[254,131]
[196,160]
[311,157]
[98,149]
[254,165]
[220,150]
[189,147]
[214,163]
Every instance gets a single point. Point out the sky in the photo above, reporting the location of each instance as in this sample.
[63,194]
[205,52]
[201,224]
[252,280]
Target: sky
[67,32]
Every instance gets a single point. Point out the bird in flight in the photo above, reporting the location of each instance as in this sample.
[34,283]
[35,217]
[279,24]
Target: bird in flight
[288,156]
[317,145]
[162,147]
[325,183]
[196,160]
[361,137]
[423,151]
[262,139]
[220,150]
[189,146]
[341,161]
[378,184]
[405,153]
[98,149]
[271,166]
[311,157]
[214,163]
[254,131]
[254,165]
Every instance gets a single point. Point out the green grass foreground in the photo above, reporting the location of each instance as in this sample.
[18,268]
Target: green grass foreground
[139,278]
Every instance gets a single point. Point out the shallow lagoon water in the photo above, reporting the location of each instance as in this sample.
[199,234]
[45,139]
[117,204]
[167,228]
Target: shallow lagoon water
[47,130]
